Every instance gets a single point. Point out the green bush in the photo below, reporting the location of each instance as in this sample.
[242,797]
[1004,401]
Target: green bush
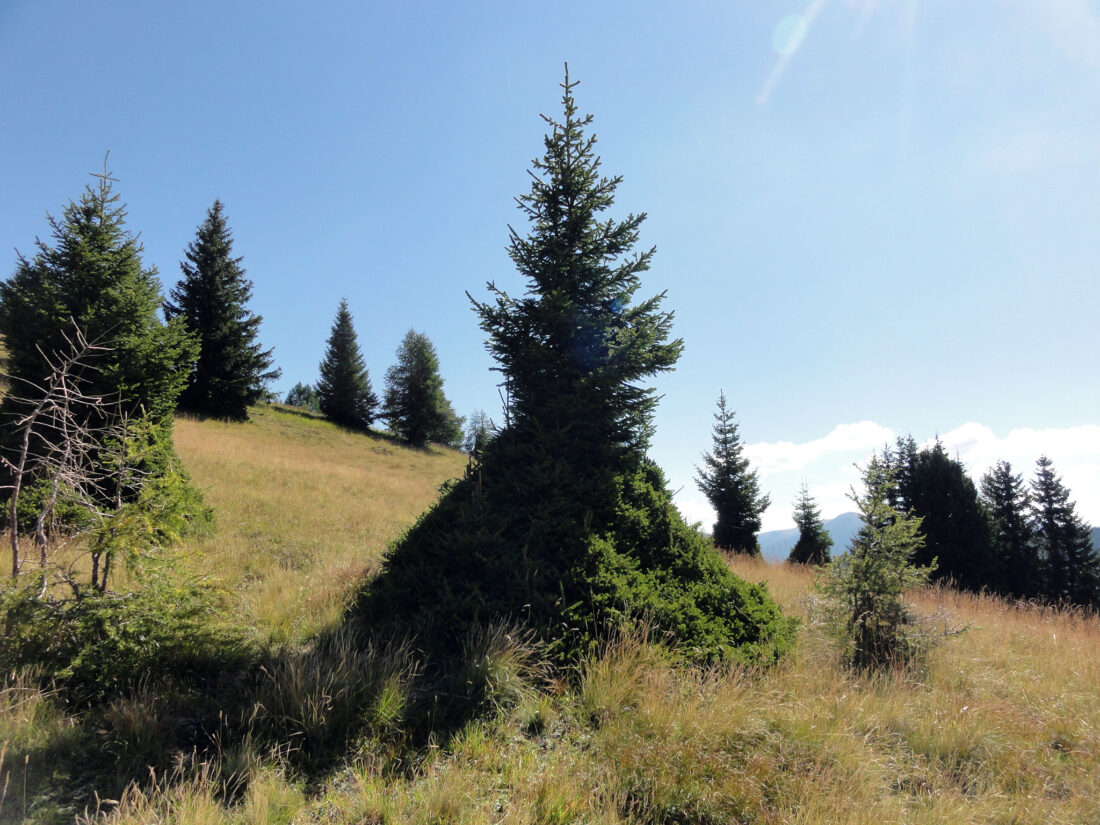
[478,557]
[101,644]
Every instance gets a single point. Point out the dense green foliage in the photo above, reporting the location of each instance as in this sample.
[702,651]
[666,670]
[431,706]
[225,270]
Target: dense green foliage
[344,392]
[92,277]
[414,405]
[814,540]
[90,285]
[231,371]
[1019,570]
[562,523]
[487,552]
[731,487]
[957,532]
[1064,541]
[865,586]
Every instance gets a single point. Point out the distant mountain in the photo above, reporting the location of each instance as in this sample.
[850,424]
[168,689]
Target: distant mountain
[776,544]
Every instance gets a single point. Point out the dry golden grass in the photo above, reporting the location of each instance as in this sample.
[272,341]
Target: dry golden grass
[1001,726]
[304,510]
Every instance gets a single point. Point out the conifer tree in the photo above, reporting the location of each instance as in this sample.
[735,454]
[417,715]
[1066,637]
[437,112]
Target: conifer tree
[91,279]
[563,524]
[731,487]
[344,392]
[232,371]
[957,531]
[1064,540]
[814,540]
[92,276]
[415,407]
[1018,570]
[867,584]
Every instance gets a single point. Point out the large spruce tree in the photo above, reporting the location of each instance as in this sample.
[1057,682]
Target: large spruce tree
[92,277]
[814,540]
[90,284]
[732,488]
[232,370]
[414,405]
[1018,570]
[1064,540]
[957,531]
[344,391]
[562,523]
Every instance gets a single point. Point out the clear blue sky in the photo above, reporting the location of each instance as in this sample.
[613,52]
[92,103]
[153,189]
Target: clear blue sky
[872,217]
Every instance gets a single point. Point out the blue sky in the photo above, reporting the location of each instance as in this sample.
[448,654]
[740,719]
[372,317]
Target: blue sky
[872,217]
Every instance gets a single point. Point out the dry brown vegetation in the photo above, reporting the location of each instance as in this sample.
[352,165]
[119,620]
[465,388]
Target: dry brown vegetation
[1001,726]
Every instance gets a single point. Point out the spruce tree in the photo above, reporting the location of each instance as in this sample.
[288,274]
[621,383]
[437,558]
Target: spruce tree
[1007,500]
[957,530]
[415,407]
[814,540]
[866,585]
[344,392]
[562,523]
[731,487]
[232,371]
[92,276]
[1064,540]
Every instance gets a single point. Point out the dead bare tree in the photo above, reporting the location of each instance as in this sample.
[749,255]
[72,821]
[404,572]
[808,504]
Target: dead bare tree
[76,443]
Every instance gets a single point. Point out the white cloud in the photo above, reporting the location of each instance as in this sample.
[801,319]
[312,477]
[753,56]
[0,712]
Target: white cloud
[828,465]
[1075,452]
[782,456]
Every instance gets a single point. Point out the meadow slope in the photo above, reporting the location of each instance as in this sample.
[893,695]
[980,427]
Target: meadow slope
[1002,726]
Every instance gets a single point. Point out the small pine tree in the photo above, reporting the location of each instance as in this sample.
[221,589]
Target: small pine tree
[866,585]
[232,371]
[1064,540]
[303,395]
[344,392]
[814,540]
[415,407]
[731,487]
[1007,500]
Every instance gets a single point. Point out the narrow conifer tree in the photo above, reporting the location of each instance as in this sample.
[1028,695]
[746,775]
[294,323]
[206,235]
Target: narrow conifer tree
[814,540]
[1018,570]
[232,371]
[866,585]
[344,392]
[731,487]
[415,407]
[1064,540]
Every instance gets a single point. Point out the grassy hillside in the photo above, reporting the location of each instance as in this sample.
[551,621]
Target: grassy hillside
[303,510]
[1003,726]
